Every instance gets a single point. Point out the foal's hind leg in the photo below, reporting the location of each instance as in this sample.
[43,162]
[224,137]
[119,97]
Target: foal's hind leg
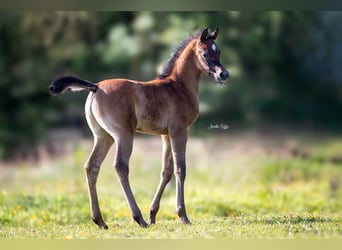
[166,174]
[123,152]
[92,167]
[102,143]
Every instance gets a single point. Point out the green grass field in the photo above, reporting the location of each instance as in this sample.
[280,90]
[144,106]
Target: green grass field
[238,187]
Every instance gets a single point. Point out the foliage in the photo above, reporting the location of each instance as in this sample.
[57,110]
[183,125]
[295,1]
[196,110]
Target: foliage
[284,65]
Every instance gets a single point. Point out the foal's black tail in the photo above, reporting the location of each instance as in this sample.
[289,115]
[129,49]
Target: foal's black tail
[72,83]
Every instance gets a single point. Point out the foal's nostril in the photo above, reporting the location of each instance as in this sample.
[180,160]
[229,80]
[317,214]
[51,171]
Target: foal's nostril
[224,74]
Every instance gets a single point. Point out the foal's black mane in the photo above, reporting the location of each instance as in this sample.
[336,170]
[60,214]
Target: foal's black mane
[167,68]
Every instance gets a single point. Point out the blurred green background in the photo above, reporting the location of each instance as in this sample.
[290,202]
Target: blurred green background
[285,67]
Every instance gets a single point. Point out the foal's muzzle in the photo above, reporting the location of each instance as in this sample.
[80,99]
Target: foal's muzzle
[220,74]
[223,76]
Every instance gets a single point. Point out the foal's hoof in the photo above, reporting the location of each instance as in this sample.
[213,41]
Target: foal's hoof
[104,226]
[101,224]
[140,221]
[151,222]
[143,224]
[152,219]
[185,221]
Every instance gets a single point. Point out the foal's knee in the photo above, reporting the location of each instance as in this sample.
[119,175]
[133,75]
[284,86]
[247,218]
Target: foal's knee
[167,174]
[121,168]
[92,172]
[180,173]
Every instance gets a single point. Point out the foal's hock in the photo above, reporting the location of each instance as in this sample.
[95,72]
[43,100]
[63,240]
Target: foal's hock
[166,106]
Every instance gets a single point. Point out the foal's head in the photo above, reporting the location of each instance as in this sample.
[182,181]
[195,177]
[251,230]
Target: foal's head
[208,56]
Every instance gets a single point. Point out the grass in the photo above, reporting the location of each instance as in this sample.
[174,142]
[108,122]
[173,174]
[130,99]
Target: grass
[237,187]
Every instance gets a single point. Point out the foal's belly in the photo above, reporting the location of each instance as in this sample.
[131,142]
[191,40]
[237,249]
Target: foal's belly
[148,127]
[150,124]
[152,110]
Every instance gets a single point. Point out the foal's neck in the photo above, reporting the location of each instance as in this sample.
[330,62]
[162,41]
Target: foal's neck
[186,71]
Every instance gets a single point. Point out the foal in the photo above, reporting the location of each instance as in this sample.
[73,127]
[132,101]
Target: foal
[166,106]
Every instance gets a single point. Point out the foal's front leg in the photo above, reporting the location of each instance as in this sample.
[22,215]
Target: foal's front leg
[166,174]
[178,145]
[123,153]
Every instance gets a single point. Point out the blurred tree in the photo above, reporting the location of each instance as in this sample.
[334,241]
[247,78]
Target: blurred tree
[284,65]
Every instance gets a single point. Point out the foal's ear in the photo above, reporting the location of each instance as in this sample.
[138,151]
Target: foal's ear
[214,34]
[204,35]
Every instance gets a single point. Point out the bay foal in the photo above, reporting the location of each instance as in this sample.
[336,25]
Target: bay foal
[166,106]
